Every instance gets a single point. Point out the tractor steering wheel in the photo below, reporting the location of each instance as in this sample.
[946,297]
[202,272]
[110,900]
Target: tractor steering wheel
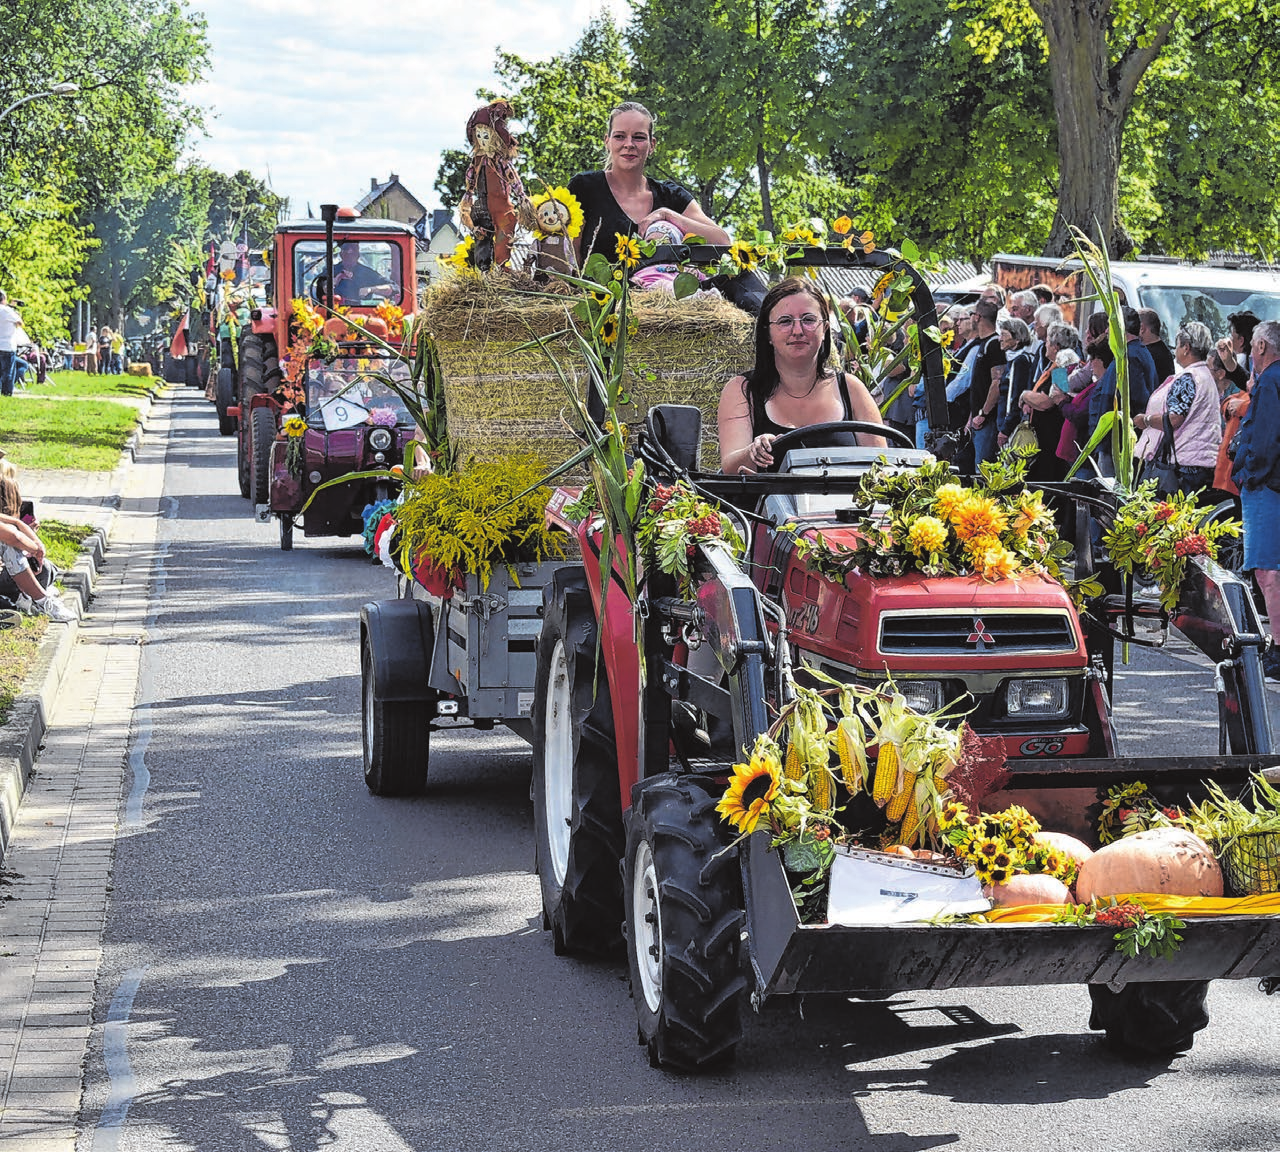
[823,436]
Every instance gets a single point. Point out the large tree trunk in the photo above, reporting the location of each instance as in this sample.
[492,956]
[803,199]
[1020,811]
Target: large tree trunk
[1092,96]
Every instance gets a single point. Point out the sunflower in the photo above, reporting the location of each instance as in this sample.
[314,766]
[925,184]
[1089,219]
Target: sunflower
[988,849]
[996,875]
[609,329]
[570,210]
[927,534]
[744,255]
[979,516]
[628,250]
[953,812]
[602,297]
[752,788]
[294,426]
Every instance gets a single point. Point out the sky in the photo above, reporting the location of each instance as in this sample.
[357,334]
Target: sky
[319,97]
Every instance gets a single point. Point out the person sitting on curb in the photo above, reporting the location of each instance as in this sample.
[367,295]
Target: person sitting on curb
[26,577]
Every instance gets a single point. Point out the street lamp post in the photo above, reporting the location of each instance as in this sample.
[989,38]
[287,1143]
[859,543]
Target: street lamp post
[65,89]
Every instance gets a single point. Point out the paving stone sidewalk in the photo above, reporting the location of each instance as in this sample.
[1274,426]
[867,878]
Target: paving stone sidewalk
[57,871]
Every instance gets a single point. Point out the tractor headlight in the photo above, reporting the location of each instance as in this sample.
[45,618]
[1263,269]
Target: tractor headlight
[1042,698]
[922,696]
[380,438]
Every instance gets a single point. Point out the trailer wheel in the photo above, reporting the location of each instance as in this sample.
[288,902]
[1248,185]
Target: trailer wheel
[684,922]
[264,432]
[397,737]
[576,801]
[1150,1018]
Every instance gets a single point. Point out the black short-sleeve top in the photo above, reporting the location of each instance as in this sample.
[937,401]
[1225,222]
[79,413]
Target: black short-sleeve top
[603,218]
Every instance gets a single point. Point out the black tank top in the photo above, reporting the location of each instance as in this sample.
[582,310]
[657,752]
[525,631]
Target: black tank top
[762,423]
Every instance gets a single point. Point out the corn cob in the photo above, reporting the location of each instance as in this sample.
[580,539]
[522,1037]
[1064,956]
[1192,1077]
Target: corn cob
[793,770]
[909,832]
[853,755]
[888,770]
[898,802]
[820,788]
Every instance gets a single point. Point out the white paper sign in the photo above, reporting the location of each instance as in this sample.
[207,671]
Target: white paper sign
[872,888]
[342,412]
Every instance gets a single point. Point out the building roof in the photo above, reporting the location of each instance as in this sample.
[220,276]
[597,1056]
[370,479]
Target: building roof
[378,190]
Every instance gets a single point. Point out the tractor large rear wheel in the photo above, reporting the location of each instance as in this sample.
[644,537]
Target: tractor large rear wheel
[684,922]
[1157,1018]
[264,432]
[576,800]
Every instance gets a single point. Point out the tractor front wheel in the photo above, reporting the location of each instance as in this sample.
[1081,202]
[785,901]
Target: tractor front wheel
[576,800]
[1156,1018]
[684,909]
[264,432]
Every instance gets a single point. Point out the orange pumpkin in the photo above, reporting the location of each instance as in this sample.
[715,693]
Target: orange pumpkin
[1166,861]
[1021,890]
[335,328]
[376,326]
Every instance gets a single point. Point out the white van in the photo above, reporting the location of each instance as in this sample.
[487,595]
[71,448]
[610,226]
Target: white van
[1178,292]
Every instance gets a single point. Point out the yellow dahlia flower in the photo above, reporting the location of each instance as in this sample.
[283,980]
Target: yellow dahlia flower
[927,534]
[948,499]
[979,516]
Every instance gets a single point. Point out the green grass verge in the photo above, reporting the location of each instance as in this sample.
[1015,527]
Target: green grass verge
[63,541]
[19,646]
[87,435]
[82,384]
[18,649]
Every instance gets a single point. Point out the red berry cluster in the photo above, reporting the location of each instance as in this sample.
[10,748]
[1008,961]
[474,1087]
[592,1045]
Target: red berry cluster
[708,525]
[1165,512]
[1120,916]
[1193,545]
[661,495]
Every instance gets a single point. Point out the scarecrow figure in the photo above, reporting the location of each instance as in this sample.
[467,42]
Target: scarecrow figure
[557,220]
[495,200]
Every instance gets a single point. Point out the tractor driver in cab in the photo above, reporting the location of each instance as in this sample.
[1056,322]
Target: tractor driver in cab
[794,382]
[354,282]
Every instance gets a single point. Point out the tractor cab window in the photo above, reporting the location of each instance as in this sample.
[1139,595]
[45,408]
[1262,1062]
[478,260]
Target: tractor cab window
[343,395]
[365,272]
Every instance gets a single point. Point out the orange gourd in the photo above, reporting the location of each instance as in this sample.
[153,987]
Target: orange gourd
[335,328]
[1166,861]
[376,326]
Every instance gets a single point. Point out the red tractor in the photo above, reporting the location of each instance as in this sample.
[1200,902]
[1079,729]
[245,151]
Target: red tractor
[340,261]
[637,711]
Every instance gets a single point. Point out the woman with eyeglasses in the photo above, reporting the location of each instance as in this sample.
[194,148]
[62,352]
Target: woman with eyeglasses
[793,384]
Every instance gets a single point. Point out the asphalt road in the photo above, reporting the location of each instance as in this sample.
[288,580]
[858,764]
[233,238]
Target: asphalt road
[294,964]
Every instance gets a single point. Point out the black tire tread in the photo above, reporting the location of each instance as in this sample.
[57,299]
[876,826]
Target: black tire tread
[263,431]
[1150,1018]
[585,912]
[397,762]
[699,1023]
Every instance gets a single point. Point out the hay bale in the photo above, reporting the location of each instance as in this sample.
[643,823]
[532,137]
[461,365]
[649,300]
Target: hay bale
[500,399]
[138,370]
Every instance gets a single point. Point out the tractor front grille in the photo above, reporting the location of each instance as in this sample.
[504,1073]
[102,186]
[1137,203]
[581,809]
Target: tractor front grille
[993,633]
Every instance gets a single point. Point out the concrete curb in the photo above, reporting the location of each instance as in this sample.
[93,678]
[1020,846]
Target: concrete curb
[22,735]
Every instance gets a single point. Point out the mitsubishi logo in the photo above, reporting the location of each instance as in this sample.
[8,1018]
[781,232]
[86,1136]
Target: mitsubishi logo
[980,636]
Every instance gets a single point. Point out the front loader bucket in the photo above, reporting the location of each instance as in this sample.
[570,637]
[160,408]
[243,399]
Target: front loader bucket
[788,957]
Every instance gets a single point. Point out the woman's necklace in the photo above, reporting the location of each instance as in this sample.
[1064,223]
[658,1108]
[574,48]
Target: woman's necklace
[801,395]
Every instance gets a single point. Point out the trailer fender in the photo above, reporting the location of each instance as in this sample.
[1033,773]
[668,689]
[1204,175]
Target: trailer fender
[400,635]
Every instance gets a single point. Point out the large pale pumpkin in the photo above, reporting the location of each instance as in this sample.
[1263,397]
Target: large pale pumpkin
[1022,889]
[1166,861]
[1065,845]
